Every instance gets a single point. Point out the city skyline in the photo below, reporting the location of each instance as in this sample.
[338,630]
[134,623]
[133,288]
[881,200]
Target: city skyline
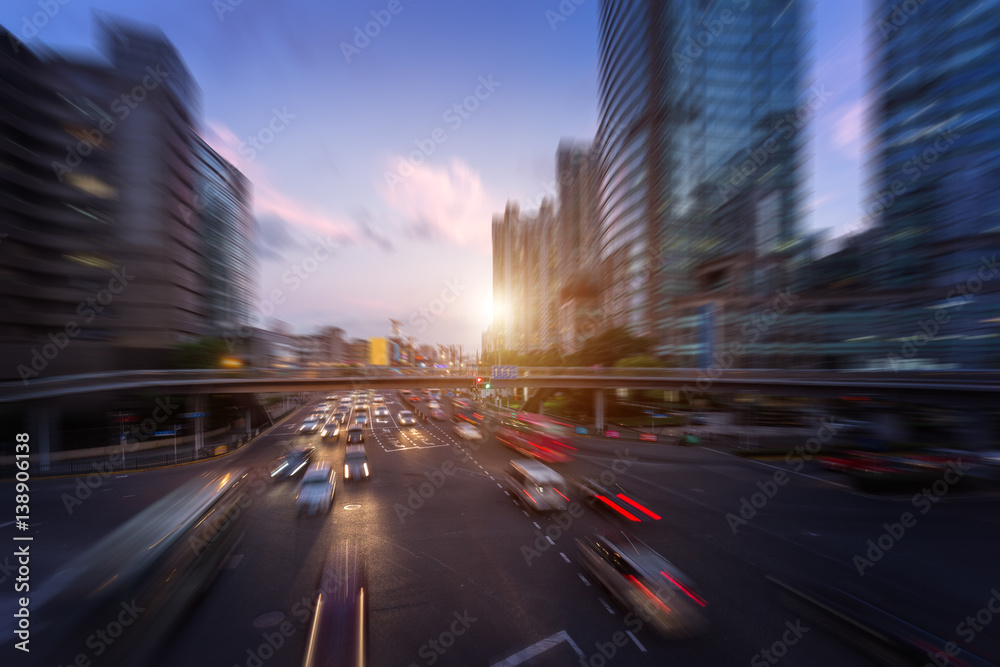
[322,169]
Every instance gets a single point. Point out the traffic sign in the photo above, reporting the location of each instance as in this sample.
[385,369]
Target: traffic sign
[505,372]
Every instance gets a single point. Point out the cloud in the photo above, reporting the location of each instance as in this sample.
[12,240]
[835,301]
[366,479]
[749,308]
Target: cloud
[849,129]
[446,204]
[268,200]
[363,220]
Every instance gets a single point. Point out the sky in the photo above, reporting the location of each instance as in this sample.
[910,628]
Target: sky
[400,147]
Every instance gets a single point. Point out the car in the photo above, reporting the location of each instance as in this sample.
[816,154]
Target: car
[467,431]
[361,407]
[381,411]
[340,416]
[645,583]
[361,419]
[439,414]
[379,398]
[406,418]
[356,463]
[332,428]
[331,397]
[612,498]
[312,424]
[698,420]
[433,405]
[292,462]
[413,398]
[323,407]
[339,631]
[316,490]
[355,434]
[536,486]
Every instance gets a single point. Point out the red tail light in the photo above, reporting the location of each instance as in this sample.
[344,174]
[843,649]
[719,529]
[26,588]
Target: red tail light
[639,507]
[649,594]
[691,594]
[616,508]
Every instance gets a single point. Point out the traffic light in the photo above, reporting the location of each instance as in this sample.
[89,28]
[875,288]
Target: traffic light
[488,383]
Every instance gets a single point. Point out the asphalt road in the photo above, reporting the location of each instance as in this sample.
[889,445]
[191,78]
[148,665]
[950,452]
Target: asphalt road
[462,575]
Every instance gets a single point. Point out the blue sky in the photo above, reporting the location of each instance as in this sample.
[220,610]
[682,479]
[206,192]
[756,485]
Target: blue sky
[416,248]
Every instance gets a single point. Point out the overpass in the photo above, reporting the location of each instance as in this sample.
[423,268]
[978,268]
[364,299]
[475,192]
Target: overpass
[972,392]
[917,386]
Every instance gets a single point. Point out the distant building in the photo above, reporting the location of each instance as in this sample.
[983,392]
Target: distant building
[378,352]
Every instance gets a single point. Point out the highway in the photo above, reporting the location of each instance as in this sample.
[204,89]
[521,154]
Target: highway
[460,574]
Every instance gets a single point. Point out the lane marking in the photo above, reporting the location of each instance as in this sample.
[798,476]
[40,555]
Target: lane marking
[538,648]
[565,557]
[641,647]
[606,606]
[583,578]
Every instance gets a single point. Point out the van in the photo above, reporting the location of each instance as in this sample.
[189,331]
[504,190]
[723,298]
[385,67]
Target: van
[355,435]
[537,486]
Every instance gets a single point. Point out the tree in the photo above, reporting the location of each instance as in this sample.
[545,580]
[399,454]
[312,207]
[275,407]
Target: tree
[206,352]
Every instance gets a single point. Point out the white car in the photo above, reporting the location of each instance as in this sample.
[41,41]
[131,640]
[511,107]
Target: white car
[433,405]
[315,492]
[468,431]
[406,418]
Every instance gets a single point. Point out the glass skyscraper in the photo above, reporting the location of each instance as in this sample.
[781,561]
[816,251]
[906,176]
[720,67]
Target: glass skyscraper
[701,110]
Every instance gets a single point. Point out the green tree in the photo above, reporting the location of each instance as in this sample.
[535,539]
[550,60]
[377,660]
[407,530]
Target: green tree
[206,352]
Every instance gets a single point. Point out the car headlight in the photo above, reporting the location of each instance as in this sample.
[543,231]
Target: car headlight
[347,471]
[366,468]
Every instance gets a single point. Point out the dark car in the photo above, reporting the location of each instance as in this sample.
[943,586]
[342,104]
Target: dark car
[341,416]
[292,462]
[355,435]
[339,631]
[312,424]
[613,499]
[645,583]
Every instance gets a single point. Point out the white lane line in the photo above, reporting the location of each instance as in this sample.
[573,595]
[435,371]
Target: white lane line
[550,540]
[641,647]
[583,579]
[526,514]
[565,557]
[606,606]
[534,522]
[538,648]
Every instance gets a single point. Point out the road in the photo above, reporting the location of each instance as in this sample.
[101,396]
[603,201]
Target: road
[462,575]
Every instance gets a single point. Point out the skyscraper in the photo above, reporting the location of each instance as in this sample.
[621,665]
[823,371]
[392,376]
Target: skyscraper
[701,110]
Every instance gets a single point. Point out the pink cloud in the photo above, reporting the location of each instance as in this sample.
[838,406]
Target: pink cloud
[447,203]
[268,199]
[849,129]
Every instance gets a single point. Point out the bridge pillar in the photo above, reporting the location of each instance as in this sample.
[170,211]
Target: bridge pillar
[199,423]
[246,421]
[43,431]
[599,409]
